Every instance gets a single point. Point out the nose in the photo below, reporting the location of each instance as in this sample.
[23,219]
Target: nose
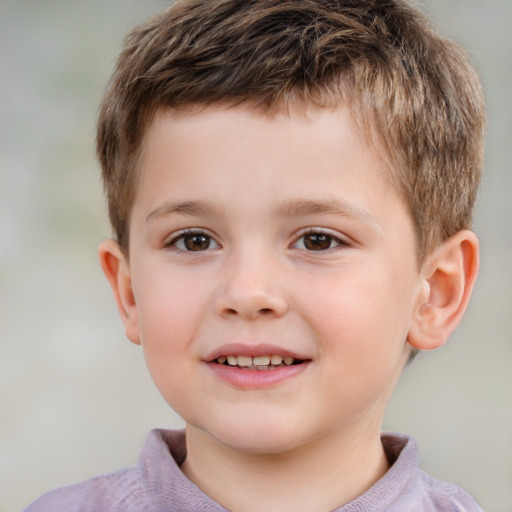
[251,289]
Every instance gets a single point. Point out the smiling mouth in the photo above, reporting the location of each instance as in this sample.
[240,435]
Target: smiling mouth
[257,362]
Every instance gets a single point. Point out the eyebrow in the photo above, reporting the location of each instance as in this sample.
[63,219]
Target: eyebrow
[288,208]
[301,207]
[190,208]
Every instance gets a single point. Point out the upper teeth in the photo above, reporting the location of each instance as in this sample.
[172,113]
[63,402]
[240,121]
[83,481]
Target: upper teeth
[247,361]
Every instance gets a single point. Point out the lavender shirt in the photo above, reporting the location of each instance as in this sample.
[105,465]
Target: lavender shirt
[156,484]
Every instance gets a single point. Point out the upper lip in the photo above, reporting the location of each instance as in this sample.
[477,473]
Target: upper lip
[253,350]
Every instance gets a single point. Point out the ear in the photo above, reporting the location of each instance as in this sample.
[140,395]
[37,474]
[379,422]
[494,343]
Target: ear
[117,271]
[448,276]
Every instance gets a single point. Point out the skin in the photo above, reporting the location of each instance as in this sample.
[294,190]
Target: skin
[260,190]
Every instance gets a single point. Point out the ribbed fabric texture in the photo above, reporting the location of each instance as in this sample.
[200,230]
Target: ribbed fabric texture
[156,484]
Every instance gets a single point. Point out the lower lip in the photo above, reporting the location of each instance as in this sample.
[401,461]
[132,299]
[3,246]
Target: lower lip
[256,379]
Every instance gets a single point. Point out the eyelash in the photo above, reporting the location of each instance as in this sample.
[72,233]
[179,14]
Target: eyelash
[321,233]
[323,238]
[182,236]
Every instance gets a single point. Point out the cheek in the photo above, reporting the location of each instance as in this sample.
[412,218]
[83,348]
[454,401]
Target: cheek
[360,318]
[169,306]
[169,314]
[361,333]
[168,325]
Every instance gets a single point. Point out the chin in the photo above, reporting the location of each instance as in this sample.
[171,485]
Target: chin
[262,438]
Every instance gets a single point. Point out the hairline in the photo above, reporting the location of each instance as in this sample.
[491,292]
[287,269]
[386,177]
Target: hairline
[364,122]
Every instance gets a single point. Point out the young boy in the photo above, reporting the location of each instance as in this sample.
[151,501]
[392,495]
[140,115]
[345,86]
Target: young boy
[290,184]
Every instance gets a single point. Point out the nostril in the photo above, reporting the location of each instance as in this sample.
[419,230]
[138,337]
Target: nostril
[262,311]
[250,304]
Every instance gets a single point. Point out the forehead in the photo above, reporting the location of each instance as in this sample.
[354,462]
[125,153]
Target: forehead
[223,133]
[301,114]
[242,155]
[281,122]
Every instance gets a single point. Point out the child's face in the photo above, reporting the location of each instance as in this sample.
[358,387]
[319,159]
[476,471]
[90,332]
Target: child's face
[262,236]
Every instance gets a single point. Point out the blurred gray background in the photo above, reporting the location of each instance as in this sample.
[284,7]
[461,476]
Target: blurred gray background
[75,397]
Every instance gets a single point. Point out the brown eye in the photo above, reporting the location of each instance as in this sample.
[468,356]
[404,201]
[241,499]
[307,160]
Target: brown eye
[317,241]
[194,242]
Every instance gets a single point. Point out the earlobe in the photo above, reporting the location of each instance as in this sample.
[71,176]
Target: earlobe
[117,271]
[448,275]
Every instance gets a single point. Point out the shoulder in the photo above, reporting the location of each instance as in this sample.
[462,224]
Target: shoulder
[106,492]
[446,497]
[154,484]
[406,488]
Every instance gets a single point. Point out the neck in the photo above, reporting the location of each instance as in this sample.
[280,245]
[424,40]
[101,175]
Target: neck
[323,475]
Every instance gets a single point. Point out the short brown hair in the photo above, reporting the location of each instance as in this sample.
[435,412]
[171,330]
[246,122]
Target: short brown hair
[417,90]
